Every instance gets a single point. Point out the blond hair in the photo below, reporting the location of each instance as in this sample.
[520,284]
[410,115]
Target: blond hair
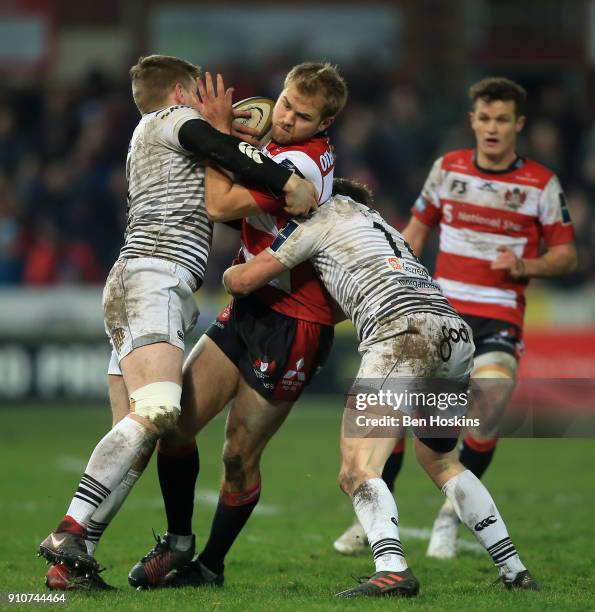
[153,77]
[312,78]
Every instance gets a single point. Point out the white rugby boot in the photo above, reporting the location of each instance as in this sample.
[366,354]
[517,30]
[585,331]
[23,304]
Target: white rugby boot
[352,541]
[443,541]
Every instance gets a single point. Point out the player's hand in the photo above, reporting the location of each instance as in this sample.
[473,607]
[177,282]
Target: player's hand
[507,260]
[215,102]
[243,132]
[300,196]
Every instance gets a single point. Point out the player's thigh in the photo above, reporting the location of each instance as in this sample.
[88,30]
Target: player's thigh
[494,379]
[152,363]
[118,396]
[210,381]
[251,423]
[148,308]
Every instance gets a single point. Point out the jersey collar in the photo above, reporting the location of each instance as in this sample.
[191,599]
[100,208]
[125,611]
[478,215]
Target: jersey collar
[515,165]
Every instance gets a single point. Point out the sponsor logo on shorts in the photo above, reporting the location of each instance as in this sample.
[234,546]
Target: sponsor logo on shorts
[118,339]
[180,334]
[451,335]
[294,379]
[264,366]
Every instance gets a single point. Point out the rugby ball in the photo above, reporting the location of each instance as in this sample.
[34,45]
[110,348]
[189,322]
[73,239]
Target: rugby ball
[261,110]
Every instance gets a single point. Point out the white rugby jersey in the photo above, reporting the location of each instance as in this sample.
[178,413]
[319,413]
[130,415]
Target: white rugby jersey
[166,214]
[365,265]
[479,211]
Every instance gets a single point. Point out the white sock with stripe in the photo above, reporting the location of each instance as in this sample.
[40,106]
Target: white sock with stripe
[376,510]
[476,508]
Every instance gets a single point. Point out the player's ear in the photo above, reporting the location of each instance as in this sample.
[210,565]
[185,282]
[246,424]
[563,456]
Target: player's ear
[179,93]
[325,124]
[471,118]
[520,123]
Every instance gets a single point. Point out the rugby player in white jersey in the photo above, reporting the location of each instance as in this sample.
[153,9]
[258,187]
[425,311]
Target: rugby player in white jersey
[259,352]
[147,300]
[494,208]
[407,329]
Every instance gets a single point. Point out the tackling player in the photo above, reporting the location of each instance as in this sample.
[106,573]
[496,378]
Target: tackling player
[494,208]
[407,329]
[147,301]
[260,352]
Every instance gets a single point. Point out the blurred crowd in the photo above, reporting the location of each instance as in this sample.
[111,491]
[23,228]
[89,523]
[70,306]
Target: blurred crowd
[63,150]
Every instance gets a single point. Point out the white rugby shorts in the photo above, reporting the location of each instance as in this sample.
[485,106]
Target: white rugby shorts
[147,300]
[426,346]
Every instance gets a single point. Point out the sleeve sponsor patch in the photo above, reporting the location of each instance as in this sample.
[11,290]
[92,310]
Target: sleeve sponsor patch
[283,235]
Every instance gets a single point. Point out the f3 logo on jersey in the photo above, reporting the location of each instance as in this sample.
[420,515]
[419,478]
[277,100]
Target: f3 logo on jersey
[252,152]
[458,187]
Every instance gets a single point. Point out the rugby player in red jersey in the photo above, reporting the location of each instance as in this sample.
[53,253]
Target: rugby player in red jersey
[260,352]
[495,209]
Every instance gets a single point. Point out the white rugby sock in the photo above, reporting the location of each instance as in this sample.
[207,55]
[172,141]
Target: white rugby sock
[376,510]
[108,509]
[110,461]
[476,508]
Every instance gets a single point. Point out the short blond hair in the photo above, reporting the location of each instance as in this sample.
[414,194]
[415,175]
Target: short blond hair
[312,78]
[154,76]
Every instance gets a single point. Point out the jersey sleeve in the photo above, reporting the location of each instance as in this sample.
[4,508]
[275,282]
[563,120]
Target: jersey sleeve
[297,242]
[171,121]
[427,207]
[296,161]
[554,217]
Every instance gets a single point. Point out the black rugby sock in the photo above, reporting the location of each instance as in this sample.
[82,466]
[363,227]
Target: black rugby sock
[477,455]
[233,511]
[393,465]
[178,469]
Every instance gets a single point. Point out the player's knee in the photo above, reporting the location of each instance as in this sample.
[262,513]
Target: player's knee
[158,403]
[495,364]
[239,468]
[351,476]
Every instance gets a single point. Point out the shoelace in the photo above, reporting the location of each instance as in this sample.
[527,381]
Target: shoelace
[160,546]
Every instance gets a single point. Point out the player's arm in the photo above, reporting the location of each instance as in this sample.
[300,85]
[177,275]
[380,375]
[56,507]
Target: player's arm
[556,261]
[416,235]
[202,139]
[426,212]
[245,278]
[556,229]
[295,243]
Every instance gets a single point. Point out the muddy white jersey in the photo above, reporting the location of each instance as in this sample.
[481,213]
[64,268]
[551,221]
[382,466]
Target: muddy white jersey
[365,265]
[166,215]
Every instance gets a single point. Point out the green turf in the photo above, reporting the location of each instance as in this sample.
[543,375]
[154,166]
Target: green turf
[284,558]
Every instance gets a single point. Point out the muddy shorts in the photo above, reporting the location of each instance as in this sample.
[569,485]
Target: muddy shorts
[147,300]
[431,355]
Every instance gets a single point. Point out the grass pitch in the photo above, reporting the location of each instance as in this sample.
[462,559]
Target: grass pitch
[284,558]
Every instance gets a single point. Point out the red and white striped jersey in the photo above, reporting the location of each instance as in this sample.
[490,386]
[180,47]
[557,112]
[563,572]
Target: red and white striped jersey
[297,293]
[479,211]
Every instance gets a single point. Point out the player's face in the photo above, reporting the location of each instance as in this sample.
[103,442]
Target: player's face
[496,127]
[296,117]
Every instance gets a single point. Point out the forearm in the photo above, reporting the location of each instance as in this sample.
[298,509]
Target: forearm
[234,155]
[550,264]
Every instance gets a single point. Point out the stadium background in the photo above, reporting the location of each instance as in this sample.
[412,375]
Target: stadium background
[66,116]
